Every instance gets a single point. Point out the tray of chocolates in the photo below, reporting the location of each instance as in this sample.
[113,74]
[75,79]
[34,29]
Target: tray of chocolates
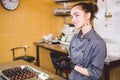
[24,72]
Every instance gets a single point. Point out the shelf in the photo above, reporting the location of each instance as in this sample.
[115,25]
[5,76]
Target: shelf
[66,0]
[73,0]
[65,11]
[61,12]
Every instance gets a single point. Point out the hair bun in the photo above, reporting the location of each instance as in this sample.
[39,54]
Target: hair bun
[94,7]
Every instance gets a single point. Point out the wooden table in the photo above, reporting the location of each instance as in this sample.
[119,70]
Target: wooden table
[21,62]
[57,47]
[110,61]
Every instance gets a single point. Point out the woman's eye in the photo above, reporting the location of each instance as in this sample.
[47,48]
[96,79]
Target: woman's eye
[77,15]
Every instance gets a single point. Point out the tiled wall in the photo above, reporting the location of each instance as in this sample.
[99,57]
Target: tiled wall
[28,23]
[107,25]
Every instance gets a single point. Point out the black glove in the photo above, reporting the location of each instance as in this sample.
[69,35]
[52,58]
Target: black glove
[64,62]
[72,65]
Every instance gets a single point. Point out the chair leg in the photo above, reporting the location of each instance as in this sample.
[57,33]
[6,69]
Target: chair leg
[56,71]
[66,76]
[60,73]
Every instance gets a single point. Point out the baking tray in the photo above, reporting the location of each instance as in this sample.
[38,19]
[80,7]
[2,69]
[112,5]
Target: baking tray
[1,78]
[24,72]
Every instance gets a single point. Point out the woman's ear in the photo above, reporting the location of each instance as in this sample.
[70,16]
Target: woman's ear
[88,15]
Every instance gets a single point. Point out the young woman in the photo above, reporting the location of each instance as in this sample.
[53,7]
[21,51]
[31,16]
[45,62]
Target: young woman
[87,49]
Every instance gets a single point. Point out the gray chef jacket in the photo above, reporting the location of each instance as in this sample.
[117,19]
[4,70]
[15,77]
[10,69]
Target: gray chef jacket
[88,52]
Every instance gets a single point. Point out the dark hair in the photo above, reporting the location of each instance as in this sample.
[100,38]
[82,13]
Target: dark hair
[88,7]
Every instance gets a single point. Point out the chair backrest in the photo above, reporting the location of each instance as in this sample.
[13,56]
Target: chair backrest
[55,56]
[16,48]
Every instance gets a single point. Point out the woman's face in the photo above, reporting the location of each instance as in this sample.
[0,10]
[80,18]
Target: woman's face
[79,18]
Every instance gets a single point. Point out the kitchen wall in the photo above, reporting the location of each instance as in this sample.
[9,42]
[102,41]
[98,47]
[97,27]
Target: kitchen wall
[28,23]
[107,24]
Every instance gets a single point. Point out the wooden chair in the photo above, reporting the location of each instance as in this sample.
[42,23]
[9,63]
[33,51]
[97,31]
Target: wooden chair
[59,71]
[23,56]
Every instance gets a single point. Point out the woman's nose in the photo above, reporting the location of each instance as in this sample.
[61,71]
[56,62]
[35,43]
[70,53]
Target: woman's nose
[73,20]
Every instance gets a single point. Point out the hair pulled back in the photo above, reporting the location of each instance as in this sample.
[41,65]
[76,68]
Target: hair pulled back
[88,7]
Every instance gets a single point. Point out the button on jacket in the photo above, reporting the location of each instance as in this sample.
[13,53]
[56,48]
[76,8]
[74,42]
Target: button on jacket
[88,52]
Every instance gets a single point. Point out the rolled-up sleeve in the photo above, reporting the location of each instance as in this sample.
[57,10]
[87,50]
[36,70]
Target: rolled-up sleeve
[98,56]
